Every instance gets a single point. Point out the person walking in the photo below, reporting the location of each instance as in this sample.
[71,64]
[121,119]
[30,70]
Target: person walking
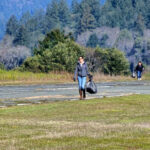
[139,69]
[81,72]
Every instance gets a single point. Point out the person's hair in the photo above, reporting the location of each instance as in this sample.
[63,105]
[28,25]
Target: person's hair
[139,63]
[81,57]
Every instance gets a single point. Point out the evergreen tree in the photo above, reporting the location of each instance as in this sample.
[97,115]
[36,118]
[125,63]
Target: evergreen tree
[146,14]
[31,25]
[51,39]
[118,13]
[134,3]
[94,8]
[35,22]
[75,16]
[21,37]
[87,15]
[93,41]
[75,7]
[111,61]
[63,13]
[12,26]
[52,16]
[87,20]
[39,18]
[139,24]
[103,40]
[25,18]
[56,52]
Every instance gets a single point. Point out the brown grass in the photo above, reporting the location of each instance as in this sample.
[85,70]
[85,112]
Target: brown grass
[100,77]
[15,77]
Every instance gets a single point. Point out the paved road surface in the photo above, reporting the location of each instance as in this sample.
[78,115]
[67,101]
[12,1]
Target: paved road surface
[20,95]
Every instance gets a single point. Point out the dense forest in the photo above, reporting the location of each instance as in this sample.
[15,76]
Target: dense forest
[19,7]
[116,24]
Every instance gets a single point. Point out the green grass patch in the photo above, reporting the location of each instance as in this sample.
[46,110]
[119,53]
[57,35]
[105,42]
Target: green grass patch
[119,123]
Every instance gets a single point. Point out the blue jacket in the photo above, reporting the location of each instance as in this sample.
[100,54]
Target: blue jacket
[81,71]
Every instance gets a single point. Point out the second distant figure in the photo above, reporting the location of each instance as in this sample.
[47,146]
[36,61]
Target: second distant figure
[139,69]
[81,72]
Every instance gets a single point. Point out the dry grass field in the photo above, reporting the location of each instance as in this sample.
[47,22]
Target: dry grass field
[16,77]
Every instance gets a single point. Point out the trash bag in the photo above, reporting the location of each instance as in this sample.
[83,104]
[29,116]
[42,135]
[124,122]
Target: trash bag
[133,75]
[91,87]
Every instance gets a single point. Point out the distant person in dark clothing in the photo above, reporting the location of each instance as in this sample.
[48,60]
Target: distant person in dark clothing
[81,72]
[139,69]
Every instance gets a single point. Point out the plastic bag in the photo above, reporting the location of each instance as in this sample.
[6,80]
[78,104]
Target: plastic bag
[91,87]
[133,75]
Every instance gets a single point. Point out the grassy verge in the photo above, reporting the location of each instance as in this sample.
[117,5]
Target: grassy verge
[16,77]
[121,123]
[146,76]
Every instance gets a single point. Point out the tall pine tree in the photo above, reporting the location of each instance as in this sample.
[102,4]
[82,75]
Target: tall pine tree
[21,37]
[139,24]
[52,16]
[75,16]
[75,7]
[94,8]
[25,18]
[12,26]
[63,13]
[93,41]
[87,20]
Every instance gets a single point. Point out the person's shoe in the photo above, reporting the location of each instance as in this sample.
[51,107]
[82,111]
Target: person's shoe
[80,92]
[84,94]
[140,79]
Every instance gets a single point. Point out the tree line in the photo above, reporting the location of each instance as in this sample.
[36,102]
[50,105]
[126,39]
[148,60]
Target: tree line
[59,52]
[130,16]
[83,16]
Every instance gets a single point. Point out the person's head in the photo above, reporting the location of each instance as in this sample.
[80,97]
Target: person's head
[81,59]
[139,63]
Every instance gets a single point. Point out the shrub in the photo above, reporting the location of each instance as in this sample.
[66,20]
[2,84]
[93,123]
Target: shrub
[2,67]
[32,64]
[111,61]
[56,52]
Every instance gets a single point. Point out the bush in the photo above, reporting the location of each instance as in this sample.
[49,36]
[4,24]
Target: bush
[66,55]
[54,55]
[111,61]
[32,64]
[2,67]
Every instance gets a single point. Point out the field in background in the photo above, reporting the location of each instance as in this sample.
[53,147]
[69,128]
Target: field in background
[16,77]
[146,76]
[120,123]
